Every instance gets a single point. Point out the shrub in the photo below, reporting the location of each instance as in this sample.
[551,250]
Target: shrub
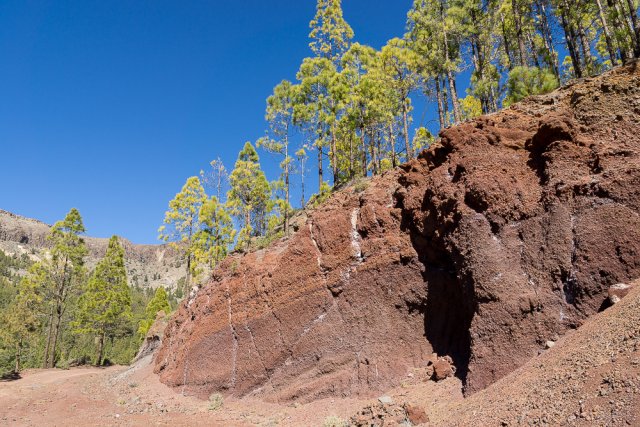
[215,401]
[333,421]
[361,185]
[528,81]
[324,193]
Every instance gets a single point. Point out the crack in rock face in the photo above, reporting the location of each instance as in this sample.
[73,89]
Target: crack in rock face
[355,236]
[507,232]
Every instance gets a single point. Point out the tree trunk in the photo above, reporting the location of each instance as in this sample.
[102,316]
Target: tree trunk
[607,34]
[334,157]
[18,355]
[247,223]
[302,201]
[636,27]
[478,65]
[100,349]
[494,100]
[286,187]
[445,103]
[440,103]
[188,279]
[586,48]
[532,48]
[519,34]
[505,40]
[351,157]
[571,44]
[450,78]
[623,14]
[613,5]
[364,152]
[405,119]
[379,151]
[392,141]
[45,362]
[454,97]
[548,38]
[372,148]
[320,179]
[56,335]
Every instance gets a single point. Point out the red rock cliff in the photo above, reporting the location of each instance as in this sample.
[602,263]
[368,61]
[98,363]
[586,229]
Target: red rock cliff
[503,236]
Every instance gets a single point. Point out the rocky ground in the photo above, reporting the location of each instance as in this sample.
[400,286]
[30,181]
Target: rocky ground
[589,377]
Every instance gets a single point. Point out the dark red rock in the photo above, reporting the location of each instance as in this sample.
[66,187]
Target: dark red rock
[416,415]
[508,231]
[442,370]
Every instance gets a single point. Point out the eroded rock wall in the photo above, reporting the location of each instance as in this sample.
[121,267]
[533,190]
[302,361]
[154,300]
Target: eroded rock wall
[502,237]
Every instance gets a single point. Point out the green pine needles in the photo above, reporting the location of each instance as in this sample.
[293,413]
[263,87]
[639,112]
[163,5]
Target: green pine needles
[104,308]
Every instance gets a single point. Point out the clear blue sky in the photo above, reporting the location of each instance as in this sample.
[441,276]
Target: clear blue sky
[108,106]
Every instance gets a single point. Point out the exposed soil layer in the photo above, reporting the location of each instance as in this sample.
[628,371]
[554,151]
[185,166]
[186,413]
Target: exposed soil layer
[502,237]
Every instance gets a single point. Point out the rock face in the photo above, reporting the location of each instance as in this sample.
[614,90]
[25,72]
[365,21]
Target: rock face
[147,265]
[154,336]
[507,233]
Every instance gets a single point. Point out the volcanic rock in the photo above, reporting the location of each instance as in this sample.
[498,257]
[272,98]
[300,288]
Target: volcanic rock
[509,230]
[443,369]
[154,336]
[417,416]
[618,291]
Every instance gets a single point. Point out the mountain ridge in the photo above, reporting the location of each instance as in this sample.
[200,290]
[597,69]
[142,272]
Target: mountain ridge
[147,265]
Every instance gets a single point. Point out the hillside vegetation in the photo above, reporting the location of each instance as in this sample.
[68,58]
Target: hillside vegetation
[57,310]
[349,112]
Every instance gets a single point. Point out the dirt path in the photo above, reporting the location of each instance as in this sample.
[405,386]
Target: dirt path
[133,396]
[53,397]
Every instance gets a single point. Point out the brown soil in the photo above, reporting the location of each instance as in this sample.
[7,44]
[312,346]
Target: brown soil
[120,396]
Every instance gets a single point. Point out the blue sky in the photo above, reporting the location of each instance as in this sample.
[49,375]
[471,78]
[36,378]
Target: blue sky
[109,106]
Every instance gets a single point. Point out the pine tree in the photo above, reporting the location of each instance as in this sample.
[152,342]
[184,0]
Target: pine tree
[400,65]
[434,36]
[330,33]
[105,304]
[216,179]
[314,110]
[317,107]
[64,276]
[362,102]
[248,197]
[159,302]
[182,222]
[24,315]
[301,156]
[477,20]
[606,33]
[212,242]
[527,81]
[280,116]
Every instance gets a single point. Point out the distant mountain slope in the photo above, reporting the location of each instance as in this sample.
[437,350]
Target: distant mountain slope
[147,265]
